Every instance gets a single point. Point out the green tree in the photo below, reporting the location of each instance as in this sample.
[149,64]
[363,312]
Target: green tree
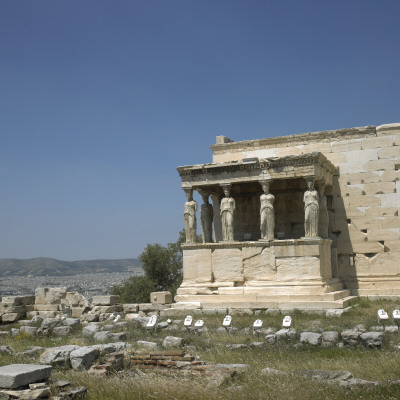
[135,289]
[162,267]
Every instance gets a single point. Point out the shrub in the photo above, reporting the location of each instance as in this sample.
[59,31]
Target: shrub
[135,289]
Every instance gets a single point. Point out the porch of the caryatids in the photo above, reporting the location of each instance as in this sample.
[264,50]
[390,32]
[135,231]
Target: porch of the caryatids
[267,213]
[227,214]
[190,217]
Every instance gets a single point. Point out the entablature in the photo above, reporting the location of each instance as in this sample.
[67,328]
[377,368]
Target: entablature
[312,165]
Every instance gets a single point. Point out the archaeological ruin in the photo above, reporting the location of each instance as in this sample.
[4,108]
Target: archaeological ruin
[305,221]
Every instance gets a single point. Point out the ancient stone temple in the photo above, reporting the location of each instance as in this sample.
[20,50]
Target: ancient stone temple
[304,221]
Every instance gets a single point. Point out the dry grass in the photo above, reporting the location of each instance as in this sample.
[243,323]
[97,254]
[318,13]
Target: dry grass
[382,366]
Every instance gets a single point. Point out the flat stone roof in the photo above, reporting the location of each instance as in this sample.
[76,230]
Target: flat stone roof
[283,141]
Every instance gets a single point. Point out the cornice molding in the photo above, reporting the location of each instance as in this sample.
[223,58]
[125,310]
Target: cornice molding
[263,165]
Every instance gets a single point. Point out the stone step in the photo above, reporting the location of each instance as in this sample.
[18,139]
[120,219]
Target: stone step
[255,297]
[306,290]
[288,303]
[373,292]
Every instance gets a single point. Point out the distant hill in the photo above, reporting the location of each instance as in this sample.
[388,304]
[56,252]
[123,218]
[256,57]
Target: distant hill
[49,266]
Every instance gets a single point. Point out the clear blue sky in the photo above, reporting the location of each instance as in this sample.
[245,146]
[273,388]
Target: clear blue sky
[101,100]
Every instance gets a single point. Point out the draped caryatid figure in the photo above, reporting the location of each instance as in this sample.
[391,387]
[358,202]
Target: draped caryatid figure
[190,217]
[311,210]
[206,219]
[227,210]
[323,225]
[267,214]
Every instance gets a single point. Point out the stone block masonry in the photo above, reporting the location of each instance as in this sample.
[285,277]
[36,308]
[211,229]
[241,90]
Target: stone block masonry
[357,177]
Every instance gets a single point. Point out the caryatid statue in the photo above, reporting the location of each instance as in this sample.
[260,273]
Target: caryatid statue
[227,210]
[323,225]
[311,209]
[206,219]
[190,217]
[267,214]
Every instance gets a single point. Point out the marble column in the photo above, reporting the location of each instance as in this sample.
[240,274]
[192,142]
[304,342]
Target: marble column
[267,214]
[190,217]
[311,209]
[206,218]
[227,212]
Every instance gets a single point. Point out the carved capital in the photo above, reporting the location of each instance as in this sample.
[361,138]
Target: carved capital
[226,187]
[310,180]
[265,184]
[189,193]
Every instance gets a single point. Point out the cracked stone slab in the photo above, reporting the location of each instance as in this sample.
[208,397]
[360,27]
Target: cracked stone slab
[16,375]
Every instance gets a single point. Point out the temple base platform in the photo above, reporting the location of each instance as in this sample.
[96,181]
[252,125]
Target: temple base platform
[280,274]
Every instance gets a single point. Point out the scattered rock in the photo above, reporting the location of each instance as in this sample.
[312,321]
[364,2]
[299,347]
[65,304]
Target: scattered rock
[350,337]
[360,328]
[14,332]
[72,322]
[330,337]
[257,344]
[58,355]
[372,339]
[74,393]
[268,331]
[27,394]
[391,329]
[105,300]
[357,382]
[110,347]
[236,346]
[285,334]
[90,329]
[377,328]
[102,336]
[270,339]
[12,317]
[89,317]
[142,321]
[25,322]
[50,323]
[326,375]
[118,336]
[47,296]
[173,341]
[37,320]
[6,350]
[16,375]
[149,345]
[62,330]
[28,330]
[83,357]
[312,338]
